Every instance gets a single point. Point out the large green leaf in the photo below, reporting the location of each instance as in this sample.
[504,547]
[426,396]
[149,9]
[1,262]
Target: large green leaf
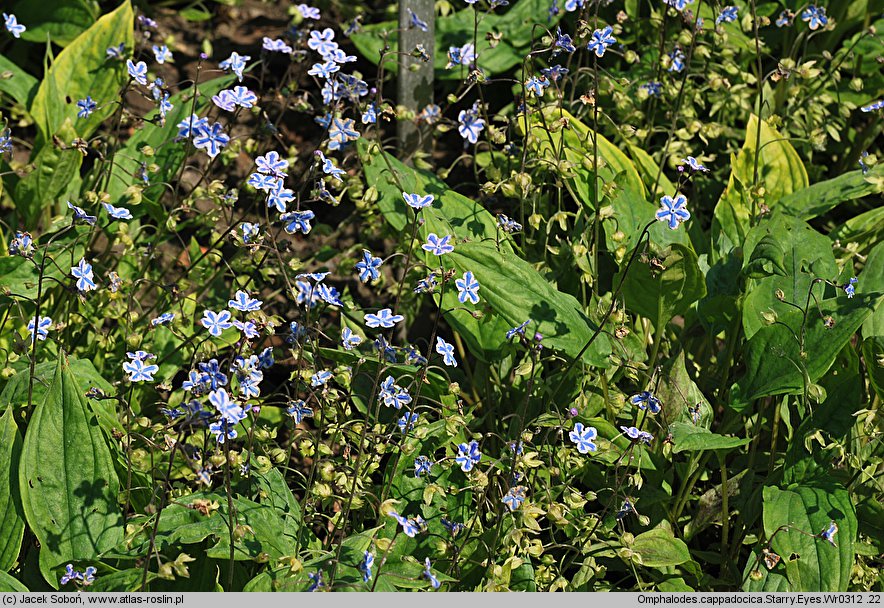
[807,510]
[690,438]
[774,365]
[59,21]
[8,583]
[17,83]
[82,69]
[12,523]
[872,277]
[659,294]
[659,548]
[806,255]
[824,196]
[69,492]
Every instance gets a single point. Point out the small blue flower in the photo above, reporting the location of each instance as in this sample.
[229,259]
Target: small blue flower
[573,5]
[243,302]
[815,17]
[329,168]
[272,164]
[248,328]
[223,430]
[87,106]
[250,232]
[320,378]
[429,575]
[601,40]
[438,246]
[137,71]
[236,63]
[583,437]
[785,18]
[161,53]
[454,528]
[276,45]
[298,410]
[635,434]
[279,197]
[13,26]
[163,319]
[470,125]
[80,215]
[69,573]
[83,273]
[139,371]
[625,510]
[116,52]
[118,213]
[694,164]
[727,15]
[554,72]
[673,211]
[677,57]
[322,42]
[418,202]
[536,86]
[410,527]
[849,289]
[365,566]
[22,244]
[368,267]
[652,88]
[213,370]
[340,132]
[216,322]
[228,409]
[508,225]
[563,43]
[875,105]
[349,340]
[646,400]
[514,498]
[415,21]
[42,328]
[467,288]
[308,12]
[468,455]
[384,318]
[447,351]
[297,221]
[422,465]
[211,139]
[678,5]
[89,575]
[191,126]
[407,422]
[519,330]
[830,532]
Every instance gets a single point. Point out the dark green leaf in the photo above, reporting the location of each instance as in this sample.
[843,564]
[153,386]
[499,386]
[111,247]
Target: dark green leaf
[767,258]
[822,197]
[17,83]
[60,21]
[690,438]
[12,523]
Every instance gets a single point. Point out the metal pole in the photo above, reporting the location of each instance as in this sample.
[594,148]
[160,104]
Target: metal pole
[414,86]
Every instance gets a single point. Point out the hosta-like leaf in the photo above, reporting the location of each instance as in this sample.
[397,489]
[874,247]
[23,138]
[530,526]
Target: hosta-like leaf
[12,523]
[659,548]
[690,438]
[67,479]
[59,21]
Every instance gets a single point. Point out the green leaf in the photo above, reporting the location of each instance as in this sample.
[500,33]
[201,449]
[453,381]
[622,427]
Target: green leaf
[10,584]
[69,493]
[55,169]
[12,523]
[556,315]
[822,197]
[659,548]
[807,255]
[872,277]
[807,510]
[660,295]
[773,363]
[690,438]
[59,21]
[82,69]
[17,83]
[767,258]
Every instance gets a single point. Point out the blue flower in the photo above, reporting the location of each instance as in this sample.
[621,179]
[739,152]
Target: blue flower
[652,88]
[368,267]
[69,573]
[138,71]
[216,322]
[573,5]
[42,328]
[89,575]
[265,183]
[116,52]
[815,17]
[407,422]
[118,213]
[673,211]
[454,528]
[416,201]
[276,45]
[727,15]
[322,42]
[297,221]
[298,410]
[161,53]
[415,21]
[470,125]
[694,411]
[410,527]
[467,288]
[392,394]
[422,465]
[340,132]
[13,26]
[429,575]
[519,330]
[677,58]
[87,106]
[349,340]
[22,244]
[514,498]
[163,319]
[236,63]
[678,5]
[536,86]
[370,115]
[213,371]
[365,566]
[272,164]
[646,400]
[447,351]
[438,246]
[243,302]
[329,168]
[249,329]
[211,139]
[80,215]
[830,532]
[583,437]
[508,225]
[694,164]
[625,510]
[320,378]
[468,455]
[634,434]
[785,18]
[601,40]
[563,43]
[250,232]
[139,371]
[196,382]
[308,12]
[223,430]
[430,114]
[849,289]
[875,105]
[227,409]
[191,126]
[83,273]
[384,318]
[554,72]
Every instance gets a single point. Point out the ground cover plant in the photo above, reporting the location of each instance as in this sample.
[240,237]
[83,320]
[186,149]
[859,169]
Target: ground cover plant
[609,318]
